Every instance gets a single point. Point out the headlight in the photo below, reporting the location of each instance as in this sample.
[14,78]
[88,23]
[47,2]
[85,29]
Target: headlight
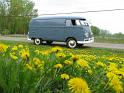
[86,34]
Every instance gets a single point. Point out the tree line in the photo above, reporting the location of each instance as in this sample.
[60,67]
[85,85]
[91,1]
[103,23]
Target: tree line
[15,16]
[105,33]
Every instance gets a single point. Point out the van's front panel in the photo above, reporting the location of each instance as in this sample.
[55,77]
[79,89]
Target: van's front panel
[87,36]
[80,30]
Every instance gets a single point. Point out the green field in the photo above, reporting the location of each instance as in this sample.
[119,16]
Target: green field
[27,68]
[109,40]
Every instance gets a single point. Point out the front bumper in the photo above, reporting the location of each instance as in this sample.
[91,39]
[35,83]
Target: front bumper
[89,40]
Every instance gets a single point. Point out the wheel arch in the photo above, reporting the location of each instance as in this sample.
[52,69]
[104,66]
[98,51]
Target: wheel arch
[71,37]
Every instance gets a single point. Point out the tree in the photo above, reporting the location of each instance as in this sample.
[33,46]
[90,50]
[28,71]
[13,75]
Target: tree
[118,35]
[95,30]
[18,14]
[104,33]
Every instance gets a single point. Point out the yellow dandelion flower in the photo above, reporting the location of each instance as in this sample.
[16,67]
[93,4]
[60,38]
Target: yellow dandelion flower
[3,48]
[38,64]
[117,84]
[37,52]
[75,58]
[110,58]
[78,85]
[36,61]
[60,55]
[100,64]
[56,49]
[112,67]
[65,76]
[24,53]
[67,62]
[29,66]
[20,46]
[45,52]
[58,66]
[82,63]
[15,48]
[13,56]
[90,72]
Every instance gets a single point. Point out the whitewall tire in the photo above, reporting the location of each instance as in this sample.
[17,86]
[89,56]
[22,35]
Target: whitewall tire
[71,43]
[37,41]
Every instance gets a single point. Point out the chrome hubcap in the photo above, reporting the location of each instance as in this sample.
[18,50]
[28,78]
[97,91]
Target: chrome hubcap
[37,41]
[72,43]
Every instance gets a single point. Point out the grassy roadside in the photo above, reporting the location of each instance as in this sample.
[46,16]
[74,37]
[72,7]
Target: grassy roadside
[109,40]
[27,68]
[114,51]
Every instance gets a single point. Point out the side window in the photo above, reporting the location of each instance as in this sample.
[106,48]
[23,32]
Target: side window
[68,23]
[73,22]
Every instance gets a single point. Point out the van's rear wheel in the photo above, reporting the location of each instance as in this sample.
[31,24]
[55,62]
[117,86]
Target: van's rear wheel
[49,42]
[71,43]
[37,41]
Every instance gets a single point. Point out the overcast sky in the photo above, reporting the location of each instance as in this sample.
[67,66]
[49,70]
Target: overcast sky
[112,21]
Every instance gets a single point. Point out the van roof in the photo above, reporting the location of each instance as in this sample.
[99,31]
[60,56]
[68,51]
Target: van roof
[59,17]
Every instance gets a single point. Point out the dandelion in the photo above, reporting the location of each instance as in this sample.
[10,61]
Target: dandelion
[37,52]
[20,46]
[67,62]
[15,48]
[114,80]
[13,56]
[75,58]
[38,63]
[65,76]
[78,85]
[112,67]
[60,55]
[110,58]
[56,49]
[82,63]
[3,47]
[45,52]
[116,84]
[24,53]
[58,66]
[90,72]
[29,66]
[100,64]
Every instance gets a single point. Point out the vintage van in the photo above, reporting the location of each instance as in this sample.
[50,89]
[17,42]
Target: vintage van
[73,30]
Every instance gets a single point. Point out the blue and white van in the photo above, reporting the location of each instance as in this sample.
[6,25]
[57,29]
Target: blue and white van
[73,30]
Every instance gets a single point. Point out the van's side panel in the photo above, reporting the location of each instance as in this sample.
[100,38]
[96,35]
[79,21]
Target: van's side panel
[75,32]
[47,29]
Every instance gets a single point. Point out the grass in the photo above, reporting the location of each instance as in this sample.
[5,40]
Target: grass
[109,40]
[27,68]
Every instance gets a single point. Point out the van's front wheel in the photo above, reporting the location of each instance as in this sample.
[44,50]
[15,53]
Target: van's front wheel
[71,43]
[37,41]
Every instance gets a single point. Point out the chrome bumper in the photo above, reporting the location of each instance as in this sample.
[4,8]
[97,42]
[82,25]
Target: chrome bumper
[89,40]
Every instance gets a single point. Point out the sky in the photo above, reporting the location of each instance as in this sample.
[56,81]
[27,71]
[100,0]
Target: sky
[112,21]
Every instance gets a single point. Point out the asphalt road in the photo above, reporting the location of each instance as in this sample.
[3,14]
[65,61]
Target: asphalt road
[98,45]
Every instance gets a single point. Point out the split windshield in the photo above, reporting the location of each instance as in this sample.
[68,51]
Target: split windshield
[84,22]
